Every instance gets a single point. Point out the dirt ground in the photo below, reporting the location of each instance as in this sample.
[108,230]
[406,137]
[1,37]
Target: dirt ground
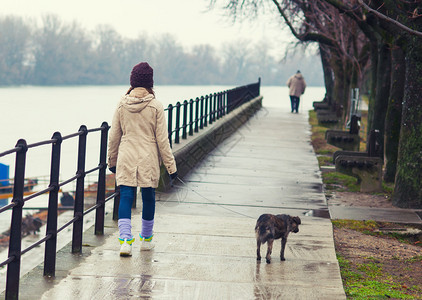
[400,261]
[359,199]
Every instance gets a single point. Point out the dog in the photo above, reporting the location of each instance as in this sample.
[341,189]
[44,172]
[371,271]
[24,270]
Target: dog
[30,225]
[272,227]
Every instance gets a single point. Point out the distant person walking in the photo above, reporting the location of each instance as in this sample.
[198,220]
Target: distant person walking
[138,143]
[297,86]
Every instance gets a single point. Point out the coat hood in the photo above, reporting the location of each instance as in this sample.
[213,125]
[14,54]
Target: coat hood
[137,100]
[299,76]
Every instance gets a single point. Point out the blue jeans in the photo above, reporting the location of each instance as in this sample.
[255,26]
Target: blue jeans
[128,194]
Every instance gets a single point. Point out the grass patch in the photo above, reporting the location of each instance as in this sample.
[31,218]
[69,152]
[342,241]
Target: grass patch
[367,281]
[347,274]
[361,226]
[388,188]
[414,258]
[340,182]
[324,160]
[373,289]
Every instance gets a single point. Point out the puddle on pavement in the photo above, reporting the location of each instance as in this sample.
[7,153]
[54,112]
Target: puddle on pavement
[318,213]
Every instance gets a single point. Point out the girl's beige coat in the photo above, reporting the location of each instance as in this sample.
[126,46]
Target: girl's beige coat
[139,141]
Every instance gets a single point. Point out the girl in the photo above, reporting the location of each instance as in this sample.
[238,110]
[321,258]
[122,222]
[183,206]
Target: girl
[138,142]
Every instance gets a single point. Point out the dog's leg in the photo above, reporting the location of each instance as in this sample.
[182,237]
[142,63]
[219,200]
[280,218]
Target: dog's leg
[258,249]
[269,250]
[283,246]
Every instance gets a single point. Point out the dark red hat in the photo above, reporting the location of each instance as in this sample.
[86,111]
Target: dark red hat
[142,76]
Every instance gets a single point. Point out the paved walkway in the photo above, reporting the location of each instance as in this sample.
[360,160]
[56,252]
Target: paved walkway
[204,233]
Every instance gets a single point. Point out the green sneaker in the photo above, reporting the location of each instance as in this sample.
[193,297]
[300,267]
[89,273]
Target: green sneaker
[126,246]
[146,243]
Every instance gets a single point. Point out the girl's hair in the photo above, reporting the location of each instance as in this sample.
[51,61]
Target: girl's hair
[149,90]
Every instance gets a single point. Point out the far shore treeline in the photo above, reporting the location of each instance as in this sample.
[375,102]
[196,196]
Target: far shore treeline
[59,53]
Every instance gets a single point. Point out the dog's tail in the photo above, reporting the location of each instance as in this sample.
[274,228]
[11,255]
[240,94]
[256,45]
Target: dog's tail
[263,233]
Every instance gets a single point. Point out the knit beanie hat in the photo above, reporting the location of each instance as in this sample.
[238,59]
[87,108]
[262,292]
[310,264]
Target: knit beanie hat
[142,76]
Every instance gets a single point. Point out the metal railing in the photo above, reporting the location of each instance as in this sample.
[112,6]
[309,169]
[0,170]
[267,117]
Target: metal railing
[206,110]
[15,252]
[193,115]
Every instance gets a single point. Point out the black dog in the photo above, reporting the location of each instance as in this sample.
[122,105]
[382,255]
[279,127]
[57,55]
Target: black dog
[272,227]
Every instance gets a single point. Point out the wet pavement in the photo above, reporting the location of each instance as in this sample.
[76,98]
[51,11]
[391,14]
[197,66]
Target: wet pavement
[205,245]
[394,215]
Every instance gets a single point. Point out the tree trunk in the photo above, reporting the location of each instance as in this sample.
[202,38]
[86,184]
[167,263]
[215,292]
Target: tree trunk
[373,83]
[408,184]
[347,82]
[338,91]
[328,72]
[393,117]
[383,89]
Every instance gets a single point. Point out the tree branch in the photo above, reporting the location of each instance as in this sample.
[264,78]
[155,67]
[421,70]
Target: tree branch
[309,36]
[384,17]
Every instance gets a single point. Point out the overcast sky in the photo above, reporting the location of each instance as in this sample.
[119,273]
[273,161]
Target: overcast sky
[187,20]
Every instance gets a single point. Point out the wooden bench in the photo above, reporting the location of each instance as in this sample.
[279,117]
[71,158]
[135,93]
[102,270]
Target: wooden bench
[365,166]
[322,105]
[328,113]
[346,140]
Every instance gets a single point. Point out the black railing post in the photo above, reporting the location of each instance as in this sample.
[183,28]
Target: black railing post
[229,101]
[185,119]
[201,123]
[101,187]
[191,117]
[206,111]
[218,105]
[169,124]
[116,202]
[196,114]
[53,199]
[79,197]
[15,241]
[223,106]
[177,129]
[215,107]
[224,103]
[212,101]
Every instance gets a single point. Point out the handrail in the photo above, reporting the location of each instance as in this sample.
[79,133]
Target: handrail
[18,201]
[206,109]
[190,117]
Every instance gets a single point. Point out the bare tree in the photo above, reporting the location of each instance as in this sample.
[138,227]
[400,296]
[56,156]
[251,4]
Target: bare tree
[15,50]
[60,53]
